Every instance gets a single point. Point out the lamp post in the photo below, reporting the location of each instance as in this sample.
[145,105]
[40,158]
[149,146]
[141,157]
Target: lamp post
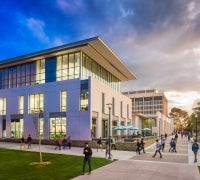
[196,116]
[109,127]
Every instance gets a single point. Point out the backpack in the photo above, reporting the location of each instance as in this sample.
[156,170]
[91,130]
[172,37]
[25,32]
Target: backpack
[172,143]
[195,146]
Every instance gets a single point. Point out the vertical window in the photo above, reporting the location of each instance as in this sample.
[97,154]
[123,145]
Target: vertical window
[94,128]
[40,71]
[64,68]
[2,106]
[58,68]
[121,109]
[113,106]
[36,103]
[63,101]
[77,65]
[128,111]
[21,104]
[84,97]
[41,127]
[103,103]
[57,127]
[71,66]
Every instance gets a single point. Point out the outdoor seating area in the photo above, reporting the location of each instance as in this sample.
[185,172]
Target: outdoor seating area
[131,133]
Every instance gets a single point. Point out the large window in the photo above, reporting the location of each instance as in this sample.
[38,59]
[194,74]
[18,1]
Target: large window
[63,101]
[2,106]
[68,66]
[21,104]
[36,103]
[57,127]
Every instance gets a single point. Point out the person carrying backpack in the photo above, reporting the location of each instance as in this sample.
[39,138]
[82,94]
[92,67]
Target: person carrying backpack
[195,148]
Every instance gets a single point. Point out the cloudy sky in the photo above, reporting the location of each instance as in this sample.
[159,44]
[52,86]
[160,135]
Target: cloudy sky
[159,40]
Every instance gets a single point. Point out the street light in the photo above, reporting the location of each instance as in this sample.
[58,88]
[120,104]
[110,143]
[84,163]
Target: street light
[196,116]
[109,127]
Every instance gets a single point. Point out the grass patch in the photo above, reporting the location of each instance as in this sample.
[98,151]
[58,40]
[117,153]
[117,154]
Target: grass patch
[199,168]
[15,165]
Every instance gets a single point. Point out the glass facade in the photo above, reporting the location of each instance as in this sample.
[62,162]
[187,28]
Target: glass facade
[36,103]
[58,127]
[148,105]
[67,66]
[2,106]
[93,69]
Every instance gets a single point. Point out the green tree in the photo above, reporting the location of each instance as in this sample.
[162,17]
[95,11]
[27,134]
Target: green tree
[196,118]
[180,117]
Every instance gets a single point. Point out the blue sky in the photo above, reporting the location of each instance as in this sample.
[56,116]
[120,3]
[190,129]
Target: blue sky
[159,40]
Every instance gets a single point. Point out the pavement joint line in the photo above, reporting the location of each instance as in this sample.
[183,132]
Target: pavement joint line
[165,153]
[161,162]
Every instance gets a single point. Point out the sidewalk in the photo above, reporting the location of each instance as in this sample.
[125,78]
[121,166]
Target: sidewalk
[142,167]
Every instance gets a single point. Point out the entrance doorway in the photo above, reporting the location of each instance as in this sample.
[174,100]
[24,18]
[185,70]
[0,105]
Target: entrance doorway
[17,126]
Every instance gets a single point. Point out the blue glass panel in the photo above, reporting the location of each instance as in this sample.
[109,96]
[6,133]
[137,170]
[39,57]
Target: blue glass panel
[50,69]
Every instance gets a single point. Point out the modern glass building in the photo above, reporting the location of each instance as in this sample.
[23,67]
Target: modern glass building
[64,91]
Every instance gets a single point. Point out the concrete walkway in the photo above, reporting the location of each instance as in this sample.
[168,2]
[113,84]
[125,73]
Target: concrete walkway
[131,166]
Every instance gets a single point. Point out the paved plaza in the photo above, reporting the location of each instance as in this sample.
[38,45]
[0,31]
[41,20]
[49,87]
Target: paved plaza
[173,165]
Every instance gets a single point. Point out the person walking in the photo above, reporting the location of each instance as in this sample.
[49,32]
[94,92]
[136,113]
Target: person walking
[87,151]
[69,142]
[162,142]
[195,148]
[64,143]
[138,146]
[22,143]
[142,145]
[113,146]
[158,148]
[171,144]
[108,149]
[59,144]
[174,146]
[29,141]
[99,144]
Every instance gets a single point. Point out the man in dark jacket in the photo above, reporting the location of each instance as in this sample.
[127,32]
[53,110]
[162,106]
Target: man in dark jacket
[87,151]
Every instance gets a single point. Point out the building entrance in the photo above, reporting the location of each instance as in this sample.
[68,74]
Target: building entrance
[17,126]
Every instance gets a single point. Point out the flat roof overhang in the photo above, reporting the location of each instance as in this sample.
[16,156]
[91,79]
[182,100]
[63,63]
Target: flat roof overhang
[93,47]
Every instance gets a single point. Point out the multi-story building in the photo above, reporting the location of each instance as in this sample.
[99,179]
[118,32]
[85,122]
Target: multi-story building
[148,102]
[64,91]
[152,107]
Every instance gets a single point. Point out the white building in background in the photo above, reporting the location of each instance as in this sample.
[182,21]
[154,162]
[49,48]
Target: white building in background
[64,91]
[150,110]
